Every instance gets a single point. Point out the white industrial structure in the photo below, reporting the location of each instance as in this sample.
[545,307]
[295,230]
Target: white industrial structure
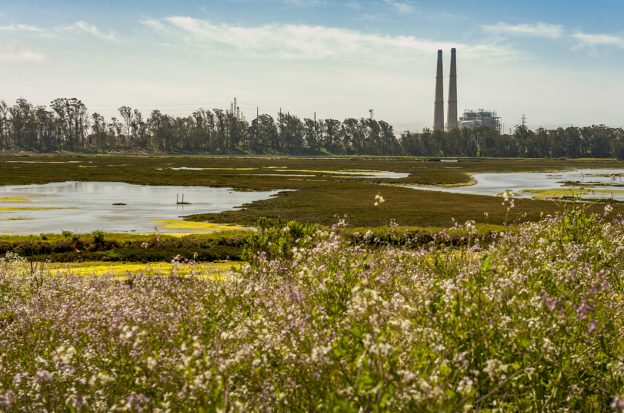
[475,119]
[471,119]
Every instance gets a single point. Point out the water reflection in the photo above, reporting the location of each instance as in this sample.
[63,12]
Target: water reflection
[87,206]
[493,184]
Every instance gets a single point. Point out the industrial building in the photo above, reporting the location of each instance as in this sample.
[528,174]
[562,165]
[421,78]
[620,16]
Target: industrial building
[475,119]
[471,119]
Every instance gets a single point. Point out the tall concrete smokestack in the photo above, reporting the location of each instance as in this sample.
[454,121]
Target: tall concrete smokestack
[451,120]
[438,112]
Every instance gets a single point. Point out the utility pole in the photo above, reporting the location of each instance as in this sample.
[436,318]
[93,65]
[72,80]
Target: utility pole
[257,122]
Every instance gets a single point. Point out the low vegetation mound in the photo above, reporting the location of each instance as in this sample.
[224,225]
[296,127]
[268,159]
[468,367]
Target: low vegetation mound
[532,322]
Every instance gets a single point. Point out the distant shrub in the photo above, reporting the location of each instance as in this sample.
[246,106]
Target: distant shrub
[98,237]
[276,239]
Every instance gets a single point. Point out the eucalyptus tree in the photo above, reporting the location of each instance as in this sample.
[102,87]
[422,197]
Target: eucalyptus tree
[23,124]
[71,122]
[599,140]
[371,140]
[5,141]
[115,132]
[292,132]
[139,137]
[126,115]
[574,143]
[236,132]
[203,134]
[162,131]
[263,135]
[44,121]
[330,135]
[99,138]
[312,138]
[350,135]
[388,139]
[471,145]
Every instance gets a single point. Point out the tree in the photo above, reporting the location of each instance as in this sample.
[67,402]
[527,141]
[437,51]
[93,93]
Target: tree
[5,141]
[161,130]
[71,123]
[312,141]
[23,124]
[330,136]
[66,126]
[291,134]
[263,134]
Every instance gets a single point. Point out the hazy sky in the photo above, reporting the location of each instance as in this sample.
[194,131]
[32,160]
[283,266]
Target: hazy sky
[559,62]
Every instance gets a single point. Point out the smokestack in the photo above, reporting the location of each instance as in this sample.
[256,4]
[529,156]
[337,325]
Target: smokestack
[438,112]
[451,120]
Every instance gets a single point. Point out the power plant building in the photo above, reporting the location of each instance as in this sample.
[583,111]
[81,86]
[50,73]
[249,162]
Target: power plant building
[472,119]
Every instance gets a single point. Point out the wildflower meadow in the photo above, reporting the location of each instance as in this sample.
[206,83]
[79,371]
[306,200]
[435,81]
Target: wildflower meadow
[533,321]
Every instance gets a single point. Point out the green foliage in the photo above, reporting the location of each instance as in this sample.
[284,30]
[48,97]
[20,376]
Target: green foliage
[98,237]
[618,149]
[67,126]
[99,246]
[276,239]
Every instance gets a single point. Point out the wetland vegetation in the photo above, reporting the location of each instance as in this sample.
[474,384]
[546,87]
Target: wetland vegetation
[353,293]
[532,322]
[107,247]
[319,198]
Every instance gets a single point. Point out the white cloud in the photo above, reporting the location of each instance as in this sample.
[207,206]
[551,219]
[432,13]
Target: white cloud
[304,3]
[299,41]
[598,39]
[538,29]
[80,26]
[154,25]
[15,54]
[402,7]
[83,26]
[24,28]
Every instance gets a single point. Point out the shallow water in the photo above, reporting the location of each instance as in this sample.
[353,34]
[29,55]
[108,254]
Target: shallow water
[88,206]
[494,184]
[307,172]
[354,173]
[374,174]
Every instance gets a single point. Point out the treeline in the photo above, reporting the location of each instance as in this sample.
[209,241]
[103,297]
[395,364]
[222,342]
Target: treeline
[66,125]
[573,142]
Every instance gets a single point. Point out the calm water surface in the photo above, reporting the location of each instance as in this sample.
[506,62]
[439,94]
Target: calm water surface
[87,206]
[494,184]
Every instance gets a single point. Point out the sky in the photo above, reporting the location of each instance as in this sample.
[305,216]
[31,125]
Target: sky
[557,62]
